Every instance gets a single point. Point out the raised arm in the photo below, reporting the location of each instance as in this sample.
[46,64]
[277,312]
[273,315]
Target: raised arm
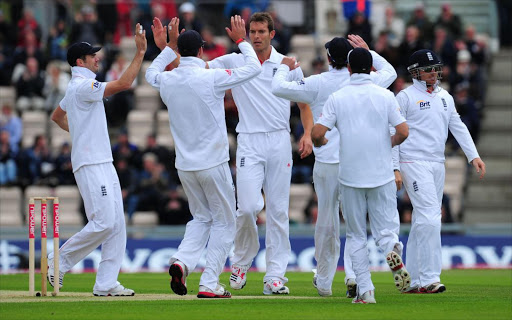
[305,90]
[126,80]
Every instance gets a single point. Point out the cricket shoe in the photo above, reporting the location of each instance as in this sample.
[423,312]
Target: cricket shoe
[315,277]
[435,287]
[275,287]
[178,273]
[321,292]
[51,273]
[219,292]
[400,274]
[118,291]
[238,277]
[412,290]
[365,298]
[351,288]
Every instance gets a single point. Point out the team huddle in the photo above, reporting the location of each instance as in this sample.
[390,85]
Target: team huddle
[365,141]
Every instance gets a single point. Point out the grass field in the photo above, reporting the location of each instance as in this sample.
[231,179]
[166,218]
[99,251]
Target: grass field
[471,294]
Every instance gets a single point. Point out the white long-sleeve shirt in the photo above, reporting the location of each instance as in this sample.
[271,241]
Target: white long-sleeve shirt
[194,97]
[430,116]
[315,90]
[362,112]
[259,110]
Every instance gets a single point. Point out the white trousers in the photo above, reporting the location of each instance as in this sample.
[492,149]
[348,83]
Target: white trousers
[101,192]
[327,228]
[380,204]
[211,196]
[424,183]
[263,161]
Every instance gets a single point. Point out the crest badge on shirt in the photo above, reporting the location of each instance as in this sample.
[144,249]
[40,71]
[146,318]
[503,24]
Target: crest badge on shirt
[274,71]
[445,105]
[96,85]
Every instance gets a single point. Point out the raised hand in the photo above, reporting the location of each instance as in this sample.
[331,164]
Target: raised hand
[174,33]
[237,30]
[291,62]
[140,39]
[357,42]
[159,33]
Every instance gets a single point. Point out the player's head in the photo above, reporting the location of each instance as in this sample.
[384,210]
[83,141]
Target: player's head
[190,43]
[360,61]
[82,54]
[337,51]
[425,66]
[261,30]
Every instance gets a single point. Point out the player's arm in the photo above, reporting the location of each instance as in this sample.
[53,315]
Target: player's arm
[318,135]
[402,132]
[395,152]
[304,90]
[229,78]
[396,120]
[326,122]
[461,133]
[60,117]
[127,78]
[306,117]
[160,33]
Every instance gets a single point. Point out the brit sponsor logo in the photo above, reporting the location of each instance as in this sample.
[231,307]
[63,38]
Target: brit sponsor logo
[423,104]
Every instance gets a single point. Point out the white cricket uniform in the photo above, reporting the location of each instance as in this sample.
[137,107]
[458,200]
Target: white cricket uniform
[362,113]
[263,160]
[429,116]
[194,97]
[315,90]
[91,158]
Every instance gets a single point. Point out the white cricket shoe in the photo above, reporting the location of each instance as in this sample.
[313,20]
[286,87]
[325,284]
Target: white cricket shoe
[117,291]
[365,298]
[315,277]
[238,277]
[178,272]
[435,287]
[351,288]
[275,286]
[400,274]
[322,292]
[51,273]
[219,292]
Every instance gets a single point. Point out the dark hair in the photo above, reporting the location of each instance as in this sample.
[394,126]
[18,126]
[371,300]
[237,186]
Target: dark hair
[263,17]
[337,65]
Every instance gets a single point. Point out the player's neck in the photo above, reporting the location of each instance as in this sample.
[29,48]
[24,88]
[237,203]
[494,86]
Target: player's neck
[264,54]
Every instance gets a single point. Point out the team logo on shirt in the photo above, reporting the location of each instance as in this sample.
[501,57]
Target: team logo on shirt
[95,84]
[242,162]
[103,191]
[274,71]
[423,104]
[228,71]
[301,82]
[445,105]
[415,186]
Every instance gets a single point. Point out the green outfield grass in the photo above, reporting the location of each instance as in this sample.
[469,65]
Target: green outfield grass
[471,294]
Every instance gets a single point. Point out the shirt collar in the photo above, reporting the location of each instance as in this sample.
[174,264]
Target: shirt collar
[83,72]
[192,62]
[274,56]
[360,78]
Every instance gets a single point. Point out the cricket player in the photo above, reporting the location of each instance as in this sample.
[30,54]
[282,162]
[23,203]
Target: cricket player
[362,112]
[194,97]
[430,113]
[263,160]
[82,113]
[315,90]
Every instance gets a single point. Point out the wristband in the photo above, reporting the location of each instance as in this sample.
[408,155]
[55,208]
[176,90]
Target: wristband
[239,40]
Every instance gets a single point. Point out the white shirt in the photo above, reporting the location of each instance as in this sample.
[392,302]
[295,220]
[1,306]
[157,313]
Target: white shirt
[259,110]
[87,121]
[315,90]
[429,116]
[194,97]
[362,113]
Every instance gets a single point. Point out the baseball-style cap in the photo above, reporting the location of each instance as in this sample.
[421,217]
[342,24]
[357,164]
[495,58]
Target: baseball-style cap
[338,49]
[360,60]
[80,49]
[189,42]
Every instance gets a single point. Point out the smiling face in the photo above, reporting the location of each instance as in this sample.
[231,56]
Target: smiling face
[260,36]
[90,62]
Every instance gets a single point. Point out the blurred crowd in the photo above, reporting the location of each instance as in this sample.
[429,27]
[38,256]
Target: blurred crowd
[36,67]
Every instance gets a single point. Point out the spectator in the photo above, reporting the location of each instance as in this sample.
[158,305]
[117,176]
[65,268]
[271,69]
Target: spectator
[444,47]
[55,86]
[421,21]
[30,49]
[86,27]
[449,21]
[119,105]
[28,24]
[63,169]
[163,154]
[158,10]
[468,111]
[10,122]
[283,36]
[474,46]
[235,7]
[124,21]
[211,49]
[411,44]
[29,87]
[57,42]
[360,26]
[125,149]
[383,47]
[37,162]
[8,168]
[175,210]
[311,210]
[128,181]
[188,19]
[394,27]
[108,15]
[7,32]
